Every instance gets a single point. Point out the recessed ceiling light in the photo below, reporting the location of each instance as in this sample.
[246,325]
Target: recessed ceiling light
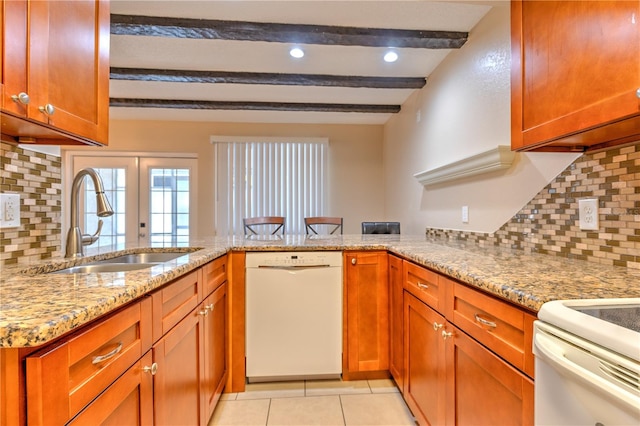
[390,56]
[296,52]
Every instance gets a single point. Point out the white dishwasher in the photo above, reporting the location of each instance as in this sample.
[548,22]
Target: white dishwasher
[293,315]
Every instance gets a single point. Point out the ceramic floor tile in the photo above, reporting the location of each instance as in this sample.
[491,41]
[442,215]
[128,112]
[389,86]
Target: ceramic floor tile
[386,409]
[315,410]
[241,413]
[336,387]
[383,386]
[228,396]
[272,390]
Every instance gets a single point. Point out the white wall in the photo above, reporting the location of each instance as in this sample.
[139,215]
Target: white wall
[463,110]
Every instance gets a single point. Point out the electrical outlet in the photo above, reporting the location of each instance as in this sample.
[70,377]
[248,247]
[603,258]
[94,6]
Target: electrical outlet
[588,214]
[9,210]
[465,214]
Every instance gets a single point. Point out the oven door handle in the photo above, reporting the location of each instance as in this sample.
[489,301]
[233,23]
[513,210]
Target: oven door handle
[554,355]
[294,267]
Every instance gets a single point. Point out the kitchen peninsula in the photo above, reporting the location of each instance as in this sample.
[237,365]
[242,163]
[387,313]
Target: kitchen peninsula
[38,308]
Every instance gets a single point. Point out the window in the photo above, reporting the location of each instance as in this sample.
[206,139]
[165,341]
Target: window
[269,178]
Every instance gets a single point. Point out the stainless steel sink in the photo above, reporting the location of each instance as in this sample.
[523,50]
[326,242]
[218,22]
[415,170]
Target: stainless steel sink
[142,258]
[104,267]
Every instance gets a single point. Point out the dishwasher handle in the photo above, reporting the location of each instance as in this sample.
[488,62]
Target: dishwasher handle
[293,267]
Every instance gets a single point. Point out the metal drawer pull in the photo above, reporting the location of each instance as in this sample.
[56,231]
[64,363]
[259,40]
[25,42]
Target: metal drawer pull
[203,312]
[446,335]
[422,285]
[209,307]
[437,326]
[101,358]
[485,322]
[153,369]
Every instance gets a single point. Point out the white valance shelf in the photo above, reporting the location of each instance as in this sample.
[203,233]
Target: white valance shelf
[498,158]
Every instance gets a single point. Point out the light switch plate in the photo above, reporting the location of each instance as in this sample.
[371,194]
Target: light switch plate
[9,210]
[588,214]
[465,214]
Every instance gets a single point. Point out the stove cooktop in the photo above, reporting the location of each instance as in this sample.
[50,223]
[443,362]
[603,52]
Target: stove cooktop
[623,316]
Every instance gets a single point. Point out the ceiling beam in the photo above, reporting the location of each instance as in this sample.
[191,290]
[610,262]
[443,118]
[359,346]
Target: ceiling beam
[284,33]
[252,106]
[224,77]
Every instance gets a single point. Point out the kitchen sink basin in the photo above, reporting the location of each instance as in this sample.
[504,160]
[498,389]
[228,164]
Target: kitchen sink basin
[104,267]
[142,258]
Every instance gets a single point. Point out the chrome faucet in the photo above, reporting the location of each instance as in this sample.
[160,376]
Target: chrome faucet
[75,238]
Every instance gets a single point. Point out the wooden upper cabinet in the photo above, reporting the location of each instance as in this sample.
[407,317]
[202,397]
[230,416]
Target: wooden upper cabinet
[55,87]
[575,74]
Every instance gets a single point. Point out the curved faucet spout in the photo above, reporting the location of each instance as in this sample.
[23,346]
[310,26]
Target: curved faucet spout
[74,236]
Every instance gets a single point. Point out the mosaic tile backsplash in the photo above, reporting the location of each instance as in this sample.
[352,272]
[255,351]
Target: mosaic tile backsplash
[37,178]
[549,223]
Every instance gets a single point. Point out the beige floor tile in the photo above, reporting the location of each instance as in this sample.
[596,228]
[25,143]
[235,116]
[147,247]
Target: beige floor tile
[228,396]
[383,386]
[378,409]
[315,410]
[241,413]
[272,390]
[336,387]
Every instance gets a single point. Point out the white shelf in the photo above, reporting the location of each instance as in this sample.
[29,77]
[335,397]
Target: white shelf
[498,158]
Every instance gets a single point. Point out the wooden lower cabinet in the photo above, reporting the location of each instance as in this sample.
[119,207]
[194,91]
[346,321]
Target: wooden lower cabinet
[215,344]
[366,311]
[424,366]
[396,319]
[482,389]
[179,356]
[128,401]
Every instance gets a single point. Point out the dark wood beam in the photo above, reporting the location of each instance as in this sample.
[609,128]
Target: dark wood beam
[252,106]
[222,77]
[284,33]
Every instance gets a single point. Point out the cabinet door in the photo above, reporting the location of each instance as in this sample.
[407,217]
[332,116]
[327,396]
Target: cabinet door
[13,79]
[367,312]
[215,339]
[486,390]
[128,401]
[68,63]
[396,315]
[177,382]
[424,367]
[575,72]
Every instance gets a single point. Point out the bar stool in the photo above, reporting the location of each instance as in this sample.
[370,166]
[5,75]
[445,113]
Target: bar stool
[380,227]
[251,222]
[315,224]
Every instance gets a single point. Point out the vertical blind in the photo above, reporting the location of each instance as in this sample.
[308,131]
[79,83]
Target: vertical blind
[270,178]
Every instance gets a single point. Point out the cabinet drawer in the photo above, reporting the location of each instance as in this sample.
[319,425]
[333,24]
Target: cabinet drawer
[214,274]
[174,301]
[62,381]
[503,328]
[424,284]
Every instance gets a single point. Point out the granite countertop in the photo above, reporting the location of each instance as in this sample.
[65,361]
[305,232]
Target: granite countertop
[36,307]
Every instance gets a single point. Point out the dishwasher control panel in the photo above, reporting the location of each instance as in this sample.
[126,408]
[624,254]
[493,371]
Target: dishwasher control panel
[294,258]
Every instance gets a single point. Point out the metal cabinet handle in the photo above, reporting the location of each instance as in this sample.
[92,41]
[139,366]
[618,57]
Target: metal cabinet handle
[153,369]
[101,358]
[638,93]
[353,261]
[209,307]
[422,286]
[446,334]
[21,98]
[48,109]
[203,312]
[485,322]
[437,326]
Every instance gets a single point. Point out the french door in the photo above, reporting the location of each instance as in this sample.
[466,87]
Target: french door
[152,199]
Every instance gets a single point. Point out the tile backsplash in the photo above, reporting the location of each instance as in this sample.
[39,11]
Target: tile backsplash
[37,178]
[549,223]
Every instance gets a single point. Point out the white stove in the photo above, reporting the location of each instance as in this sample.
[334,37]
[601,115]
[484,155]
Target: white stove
[588,362]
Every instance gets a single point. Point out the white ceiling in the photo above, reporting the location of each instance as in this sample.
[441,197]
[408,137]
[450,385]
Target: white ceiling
[254,56]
